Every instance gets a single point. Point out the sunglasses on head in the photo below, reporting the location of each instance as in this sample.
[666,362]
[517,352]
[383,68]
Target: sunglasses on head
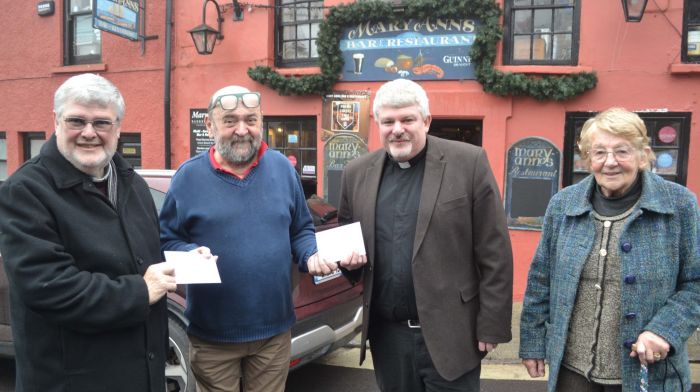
[230,101]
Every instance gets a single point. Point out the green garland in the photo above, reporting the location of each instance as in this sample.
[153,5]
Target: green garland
[483,52]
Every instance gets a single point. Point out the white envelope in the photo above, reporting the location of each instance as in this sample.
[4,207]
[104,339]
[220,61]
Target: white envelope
[192,267]
[336,243]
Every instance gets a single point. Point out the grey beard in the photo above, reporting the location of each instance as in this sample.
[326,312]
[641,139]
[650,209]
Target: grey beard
[228,151]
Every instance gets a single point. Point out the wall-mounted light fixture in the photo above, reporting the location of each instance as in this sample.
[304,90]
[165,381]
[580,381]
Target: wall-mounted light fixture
[634,9]
[205,36]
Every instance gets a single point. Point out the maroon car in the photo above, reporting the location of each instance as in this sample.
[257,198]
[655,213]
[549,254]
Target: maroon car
[328,310]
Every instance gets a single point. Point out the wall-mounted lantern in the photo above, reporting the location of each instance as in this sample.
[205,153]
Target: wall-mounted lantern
[634,9]
[205,36]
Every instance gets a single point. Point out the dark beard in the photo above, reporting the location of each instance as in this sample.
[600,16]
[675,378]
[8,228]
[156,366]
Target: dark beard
[227,149]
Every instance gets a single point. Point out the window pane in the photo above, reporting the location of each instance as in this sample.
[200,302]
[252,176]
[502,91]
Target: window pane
[302,12]
[666,161]
[540,47]
[80,6]
[693,10]
[308,138]
[289,50]
[294,155]
[35,146]
[317,10]
[563,19]
[287,15]
[521,47]
[303,31]
[693,40]
[523,22]
[308,162]
[302,49]
[561,48]
[87,39]
[314,49]
[543,20]
[543,2]
[314,29]
[292,138]
[275,135]
[564,2]
[666,135]
[3,170]
[289,33]
[3,149]
[518,3]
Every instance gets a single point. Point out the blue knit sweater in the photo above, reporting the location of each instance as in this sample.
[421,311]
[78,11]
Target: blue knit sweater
[256,226]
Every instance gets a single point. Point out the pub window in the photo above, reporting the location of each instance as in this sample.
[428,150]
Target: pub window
[691,32]
[668,136]
[541,32]
[297,25]
[295,137]
[129,148]
[82,43]
[3,156]
[31,144]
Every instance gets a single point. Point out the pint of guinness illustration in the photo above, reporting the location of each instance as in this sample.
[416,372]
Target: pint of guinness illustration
[358,59]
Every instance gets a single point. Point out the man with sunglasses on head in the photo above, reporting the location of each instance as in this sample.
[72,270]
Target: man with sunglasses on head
[79,238]
[244,203]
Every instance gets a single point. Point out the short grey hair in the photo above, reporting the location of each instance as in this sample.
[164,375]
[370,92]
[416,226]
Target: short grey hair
[88,89]
[400,93]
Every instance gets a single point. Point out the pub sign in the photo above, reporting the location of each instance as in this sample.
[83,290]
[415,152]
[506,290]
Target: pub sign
[425,49]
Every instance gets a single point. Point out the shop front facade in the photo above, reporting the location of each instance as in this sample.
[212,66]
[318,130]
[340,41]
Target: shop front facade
[598,60]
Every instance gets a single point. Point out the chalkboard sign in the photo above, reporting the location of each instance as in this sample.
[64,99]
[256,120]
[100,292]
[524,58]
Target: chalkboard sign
[199,136]
[337,152]
[532,178]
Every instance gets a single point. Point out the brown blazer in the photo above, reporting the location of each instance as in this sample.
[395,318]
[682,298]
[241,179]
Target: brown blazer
[462,261]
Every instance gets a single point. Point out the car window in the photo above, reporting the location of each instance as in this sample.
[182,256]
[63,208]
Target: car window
[158,198]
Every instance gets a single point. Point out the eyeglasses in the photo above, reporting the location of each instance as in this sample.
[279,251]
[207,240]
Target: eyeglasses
[77,123]
[230,101]
[621,154]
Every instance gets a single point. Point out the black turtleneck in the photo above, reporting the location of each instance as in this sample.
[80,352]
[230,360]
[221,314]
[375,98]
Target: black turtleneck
[613,206]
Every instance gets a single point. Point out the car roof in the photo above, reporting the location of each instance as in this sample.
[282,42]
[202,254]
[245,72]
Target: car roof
[155,172]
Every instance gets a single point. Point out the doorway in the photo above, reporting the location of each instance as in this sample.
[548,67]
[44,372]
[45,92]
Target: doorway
[467,131]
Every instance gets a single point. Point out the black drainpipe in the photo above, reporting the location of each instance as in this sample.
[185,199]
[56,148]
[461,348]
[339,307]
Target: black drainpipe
[166,98]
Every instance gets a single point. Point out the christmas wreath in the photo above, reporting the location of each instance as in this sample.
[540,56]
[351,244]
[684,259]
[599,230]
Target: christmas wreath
[483,51]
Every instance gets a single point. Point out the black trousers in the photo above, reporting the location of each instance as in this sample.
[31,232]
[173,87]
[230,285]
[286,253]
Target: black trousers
[570,381]
[402,362]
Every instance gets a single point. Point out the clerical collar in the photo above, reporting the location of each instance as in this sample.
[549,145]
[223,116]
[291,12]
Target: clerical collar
[411,162]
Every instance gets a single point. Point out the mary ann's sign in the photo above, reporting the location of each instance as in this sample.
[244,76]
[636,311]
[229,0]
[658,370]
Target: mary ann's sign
[429,49]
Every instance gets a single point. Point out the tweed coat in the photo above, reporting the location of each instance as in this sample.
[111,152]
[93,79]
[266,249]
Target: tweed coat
[79,305]
[660,278]
[462,264]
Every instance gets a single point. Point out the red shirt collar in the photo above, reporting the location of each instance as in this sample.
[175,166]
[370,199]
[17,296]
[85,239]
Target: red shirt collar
[219,168]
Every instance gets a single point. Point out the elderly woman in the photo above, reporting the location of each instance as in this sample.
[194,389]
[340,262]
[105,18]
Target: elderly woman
[615,281]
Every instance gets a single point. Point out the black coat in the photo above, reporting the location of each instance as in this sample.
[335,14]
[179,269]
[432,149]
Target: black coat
[79,305]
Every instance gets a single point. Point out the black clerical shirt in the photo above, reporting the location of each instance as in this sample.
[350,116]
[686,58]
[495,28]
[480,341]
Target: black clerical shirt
[395,227]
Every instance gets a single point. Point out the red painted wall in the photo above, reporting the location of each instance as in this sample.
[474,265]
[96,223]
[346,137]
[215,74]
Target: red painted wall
[31,68]
[637,66]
